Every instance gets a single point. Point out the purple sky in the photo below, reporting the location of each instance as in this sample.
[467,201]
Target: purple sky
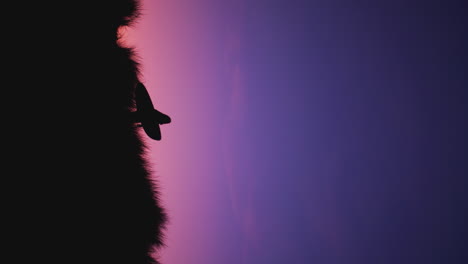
[327,132]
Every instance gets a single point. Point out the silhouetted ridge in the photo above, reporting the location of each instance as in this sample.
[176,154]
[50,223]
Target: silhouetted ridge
[82,188]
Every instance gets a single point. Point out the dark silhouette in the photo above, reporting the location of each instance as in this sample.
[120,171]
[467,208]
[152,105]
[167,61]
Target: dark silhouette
[148,117]
[79,187]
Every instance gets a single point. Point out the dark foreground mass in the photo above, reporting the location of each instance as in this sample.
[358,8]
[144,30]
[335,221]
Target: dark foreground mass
[79,188]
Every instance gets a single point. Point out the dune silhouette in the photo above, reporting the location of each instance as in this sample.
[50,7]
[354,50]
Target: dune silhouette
[81,187]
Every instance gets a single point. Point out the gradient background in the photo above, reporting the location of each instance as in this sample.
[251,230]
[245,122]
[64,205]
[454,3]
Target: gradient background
[328,132]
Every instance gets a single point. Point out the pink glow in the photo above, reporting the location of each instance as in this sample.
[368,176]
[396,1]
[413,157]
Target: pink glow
[185,72]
